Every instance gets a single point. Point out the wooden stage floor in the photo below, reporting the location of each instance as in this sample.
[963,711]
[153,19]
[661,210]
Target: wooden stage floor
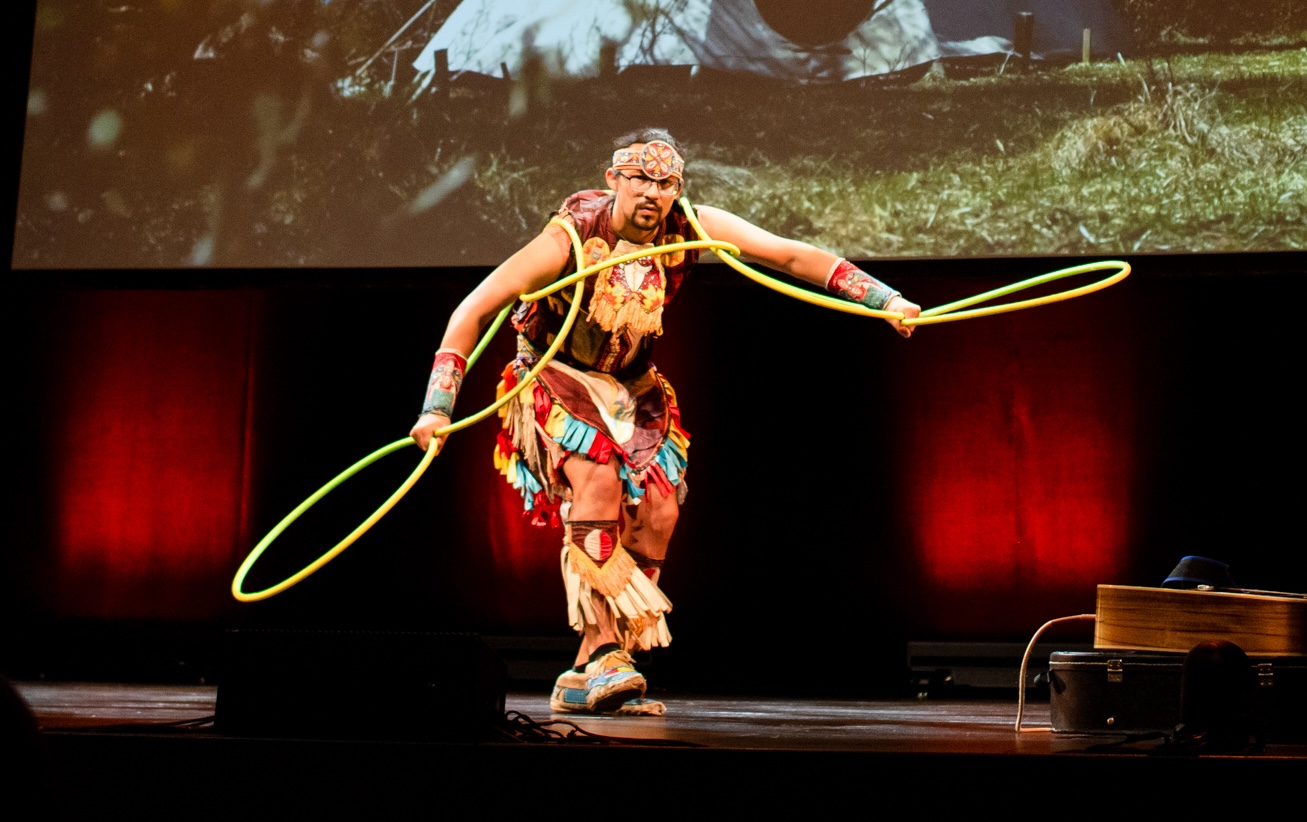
[130,745]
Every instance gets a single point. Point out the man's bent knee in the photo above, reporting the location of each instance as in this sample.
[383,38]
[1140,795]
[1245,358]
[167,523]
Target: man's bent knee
[596,488]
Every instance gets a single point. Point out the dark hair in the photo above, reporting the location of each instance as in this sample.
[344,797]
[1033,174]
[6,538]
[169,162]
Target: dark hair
[647,135]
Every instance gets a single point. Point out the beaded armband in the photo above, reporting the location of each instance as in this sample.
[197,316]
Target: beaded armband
[446,379]
[856,285]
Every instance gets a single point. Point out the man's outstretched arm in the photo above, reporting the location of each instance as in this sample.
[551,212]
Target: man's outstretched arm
[534,266]
[807,263]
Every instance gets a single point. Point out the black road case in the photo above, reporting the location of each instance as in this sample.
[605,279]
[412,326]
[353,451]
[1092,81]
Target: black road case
[1130,692]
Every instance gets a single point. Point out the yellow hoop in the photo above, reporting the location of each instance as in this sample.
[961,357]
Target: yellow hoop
[238,582]
[939,314]
[950,312]
[944,313]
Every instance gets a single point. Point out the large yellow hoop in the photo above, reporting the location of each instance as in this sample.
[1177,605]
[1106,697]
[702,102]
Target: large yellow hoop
[950,312]
[238,582]
[944,313]
[940,314]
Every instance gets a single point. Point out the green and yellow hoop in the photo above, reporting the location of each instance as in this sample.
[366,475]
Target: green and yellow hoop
[945,313]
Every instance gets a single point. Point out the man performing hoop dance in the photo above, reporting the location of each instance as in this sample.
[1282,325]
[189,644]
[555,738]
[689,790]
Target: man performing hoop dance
[597,443]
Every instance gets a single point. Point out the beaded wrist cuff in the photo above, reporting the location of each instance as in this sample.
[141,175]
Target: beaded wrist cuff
[446,379]
[856,285]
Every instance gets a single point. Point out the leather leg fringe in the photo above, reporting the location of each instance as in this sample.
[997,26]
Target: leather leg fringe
[638,605]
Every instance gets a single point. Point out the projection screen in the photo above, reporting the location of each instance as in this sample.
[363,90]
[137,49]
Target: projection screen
[415,133]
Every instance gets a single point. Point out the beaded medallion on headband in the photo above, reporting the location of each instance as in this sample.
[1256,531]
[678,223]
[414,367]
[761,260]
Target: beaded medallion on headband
[656,160]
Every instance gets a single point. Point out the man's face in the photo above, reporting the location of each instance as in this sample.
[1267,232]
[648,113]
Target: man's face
[641,203]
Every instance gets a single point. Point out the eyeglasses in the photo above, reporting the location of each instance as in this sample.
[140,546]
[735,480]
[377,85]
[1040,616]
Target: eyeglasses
[642,184]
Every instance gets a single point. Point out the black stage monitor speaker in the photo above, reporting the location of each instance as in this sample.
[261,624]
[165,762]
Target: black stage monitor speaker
[359,684]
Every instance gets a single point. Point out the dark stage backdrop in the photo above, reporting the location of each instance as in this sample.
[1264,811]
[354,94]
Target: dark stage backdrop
[967,484]
[847,488]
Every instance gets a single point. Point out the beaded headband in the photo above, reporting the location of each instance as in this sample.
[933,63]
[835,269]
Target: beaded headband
[656,160]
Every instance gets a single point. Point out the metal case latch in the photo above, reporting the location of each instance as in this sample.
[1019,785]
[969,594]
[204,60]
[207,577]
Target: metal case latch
[1115,670]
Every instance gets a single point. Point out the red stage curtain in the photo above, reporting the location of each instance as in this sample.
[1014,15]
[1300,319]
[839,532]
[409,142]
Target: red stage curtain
[1014,496]
[1020,478]
[146,445]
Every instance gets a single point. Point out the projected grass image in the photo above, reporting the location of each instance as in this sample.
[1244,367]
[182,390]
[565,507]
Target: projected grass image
[296,152]
[1086,160]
